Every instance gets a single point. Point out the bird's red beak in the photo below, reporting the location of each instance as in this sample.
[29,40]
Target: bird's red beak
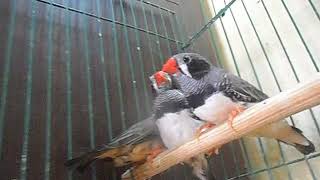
[160,78]
[171,66]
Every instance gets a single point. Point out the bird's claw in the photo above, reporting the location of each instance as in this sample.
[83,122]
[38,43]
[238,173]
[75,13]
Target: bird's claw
[233,114]
[214,150]
[154,153]
[204,128]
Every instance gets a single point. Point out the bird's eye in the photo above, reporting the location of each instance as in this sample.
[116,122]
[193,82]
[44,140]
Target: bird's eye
[186,59]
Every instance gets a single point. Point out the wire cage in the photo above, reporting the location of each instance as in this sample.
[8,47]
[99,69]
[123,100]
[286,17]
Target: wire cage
[74,74]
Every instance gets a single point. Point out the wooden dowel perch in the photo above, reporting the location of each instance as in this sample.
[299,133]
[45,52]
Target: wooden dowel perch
[303,96]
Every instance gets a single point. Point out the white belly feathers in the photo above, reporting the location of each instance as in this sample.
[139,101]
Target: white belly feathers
[216,109]
[177,128]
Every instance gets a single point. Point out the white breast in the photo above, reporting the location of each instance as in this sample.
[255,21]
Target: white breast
[216,109]
[177,128]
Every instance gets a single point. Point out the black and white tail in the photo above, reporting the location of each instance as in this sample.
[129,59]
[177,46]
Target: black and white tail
[305,148]
[82,162]
[285,133]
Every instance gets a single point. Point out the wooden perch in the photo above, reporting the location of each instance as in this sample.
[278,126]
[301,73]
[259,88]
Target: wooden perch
[303,96]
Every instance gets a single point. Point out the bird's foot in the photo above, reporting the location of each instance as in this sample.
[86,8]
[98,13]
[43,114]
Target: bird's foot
[233,114]
[214,150]
[155,152]
[204,128]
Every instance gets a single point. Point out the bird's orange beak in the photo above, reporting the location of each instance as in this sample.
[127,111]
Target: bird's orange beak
[171,66]
[161,78]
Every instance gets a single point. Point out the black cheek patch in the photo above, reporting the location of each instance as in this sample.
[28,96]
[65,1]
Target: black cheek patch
[198,68]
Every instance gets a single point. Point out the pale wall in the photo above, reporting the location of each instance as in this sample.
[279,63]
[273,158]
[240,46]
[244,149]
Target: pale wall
[309,26]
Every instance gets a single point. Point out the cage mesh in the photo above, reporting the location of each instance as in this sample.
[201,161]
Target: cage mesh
[74,74]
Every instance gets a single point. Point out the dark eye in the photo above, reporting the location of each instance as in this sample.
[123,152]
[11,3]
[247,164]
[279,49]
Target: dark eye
[186,59]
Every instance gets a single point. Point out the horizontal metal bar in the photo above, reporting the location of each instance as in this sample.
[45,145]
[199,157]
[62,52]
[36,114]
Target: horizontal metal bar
[106,19]
[157,6]
[277,166]
[207,26]
[173,2]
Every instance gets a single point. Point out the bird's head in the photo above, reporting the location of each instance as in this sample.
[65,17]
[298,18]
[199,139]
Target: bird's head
[190,64]
[161,81]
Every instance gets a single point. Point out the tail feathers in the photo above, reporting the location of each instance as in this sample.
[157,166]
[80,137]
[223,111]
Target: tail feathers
[82,162]
[304,149]
[285,133]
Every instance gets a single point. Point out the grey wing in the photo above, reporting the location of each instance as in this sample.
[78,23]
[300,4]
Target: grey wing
[239,87]
[137,133]
[196,91]
[169,101]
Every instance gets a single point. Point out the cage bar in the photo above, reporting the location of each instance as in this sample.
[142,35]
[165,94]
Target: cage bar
[6,70]
[212,38]
[163,29]
[49,99]
[27,118]
[103,18]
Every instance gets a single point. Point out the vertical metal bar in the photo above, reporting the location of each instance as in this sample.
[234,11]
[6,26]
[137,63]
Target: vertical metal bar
[220,65]
[225,174]
[165,31]
[296,77]
[260,87]
[140,62]
[58,5]
[228,42]
[6,70]
[235,159]
[271,68]
[157,38]
[148,36]
[132,74]
[181,33]
[69,86]
[289,60]
[277,166]
[84,23]
[117,65]
[212,38]
[280,40]
[28,101]
[89,88]
[174,30]
[159,48]
[291,65]
[314,9]
[262,47]
[47,165]
[300,35]
[169,51]
[104,78]
[238,72]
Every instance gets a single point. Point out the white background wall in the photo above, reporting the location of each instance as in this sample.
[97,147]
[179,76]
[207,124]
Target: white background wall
[309,25]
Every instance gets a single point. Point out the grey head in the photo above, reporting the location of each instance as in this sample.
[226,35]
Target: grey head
[160,82]
[192,64]
[170,101]
[167,100]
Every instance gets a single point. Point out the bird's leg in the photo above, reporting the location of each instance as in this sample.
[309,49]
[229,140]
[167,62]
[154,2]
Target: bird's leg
[233,114]
[204,128]
[155,152]
[214,150]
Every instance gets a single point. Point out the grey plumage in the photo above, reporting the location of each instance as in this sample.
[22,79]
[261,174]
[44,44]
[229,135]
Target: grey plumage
[240,92]
[136,133]
[144,135]
[177,126]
